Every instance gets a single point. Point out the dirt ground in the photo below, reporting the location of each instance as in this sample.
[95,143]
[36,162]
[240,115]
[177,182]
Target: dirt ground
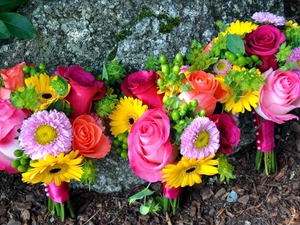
[262,200]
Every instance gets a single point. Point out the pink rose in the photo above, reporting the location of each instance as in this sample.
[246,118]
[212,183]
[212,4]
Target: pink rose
[84,89]
[149,146]
[265,42]
[279,95]
[229,132]
[11,120]
[142,85]
[12,77]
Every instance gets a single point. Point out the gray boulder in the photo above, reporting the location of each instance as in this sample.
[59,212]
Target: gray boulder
[88,32]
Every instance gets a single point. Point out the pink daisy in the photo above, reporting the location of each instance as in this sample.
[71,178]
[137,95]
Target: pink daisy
[46,133]
[222,66]
[200,139]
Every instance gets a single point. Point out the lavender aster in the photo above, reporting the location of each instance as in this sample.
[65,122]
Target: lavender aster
[200,139]
[295,57]
[222,66]
[266,17]
[46,133]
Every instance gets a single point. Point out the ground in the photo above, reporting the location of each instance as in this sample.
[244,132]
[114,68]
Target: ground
[262,200]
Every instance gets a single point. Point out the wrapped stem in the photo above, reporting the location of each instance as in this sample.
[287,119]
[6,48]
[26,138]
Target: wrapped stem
[265,143]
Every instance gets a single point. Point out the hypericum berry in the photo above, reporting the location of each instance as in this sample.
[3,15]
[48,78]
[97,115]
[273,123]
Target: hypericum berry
[22,168]
[241,60]
[194,103]
[179,58]
[163,59]
[255,58]
[15,163]
[165,68]
[176,69]
[32,71]
[18,153]
[160,82]
[175,115]
[119,150]
[202,112]
[42,67]
[183,106]
[124,155]
[26,69]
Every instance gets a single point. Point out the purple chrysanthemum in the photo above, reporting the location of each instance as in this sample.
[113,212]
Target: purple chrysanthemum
[46,133]
[295,57]
[200,139]
[222,66]
[266,17]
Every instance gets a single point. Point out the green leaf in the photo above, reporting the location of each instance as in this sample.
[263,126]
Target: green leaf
[174,102]
[105,74]
[235,44]
[225,169]
[144,209]
[4,32]
[10,5]
[140,195]
[18,25]
[60,85]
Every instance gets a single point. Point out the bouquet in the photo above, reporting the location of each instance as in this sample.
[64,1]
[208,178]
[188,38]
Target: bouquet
[48,130]
[176,120]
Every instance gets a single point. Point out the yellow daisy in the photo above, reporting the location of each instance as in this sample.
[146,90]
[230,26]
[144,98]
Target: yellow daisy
[60,169]
[42,86]
[127,111]
[241,28]
[187,172]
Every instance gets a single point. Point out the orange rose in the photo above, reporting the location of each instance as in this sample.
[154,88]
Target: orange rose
[88,138]
[206,89]
[13,77]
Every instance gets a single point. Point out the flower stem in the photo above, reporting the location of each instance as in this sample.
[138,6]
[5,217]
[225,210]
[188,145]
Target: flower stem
[174,203]
[62,212]
[166,204]
[71,210]
[258,159]
[51,206]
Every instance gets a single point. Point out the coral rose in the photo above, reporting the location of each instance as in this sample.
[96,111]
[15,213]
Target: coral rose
[88,137]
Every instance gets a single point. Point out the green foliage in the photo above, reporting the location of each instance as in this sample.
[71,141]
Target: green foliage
[26,98]
[14,24]
[235,44]
[152,63]
[107,104]
[243,80]
[283,53]
[60,86]
[149,207]
[113,72]
[89,172]
[225,169]
[145,192]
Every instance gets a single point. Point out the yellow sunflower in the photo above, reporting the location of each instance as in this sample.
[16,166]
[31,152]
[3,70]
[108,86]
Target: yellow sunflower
[127,111]
[241,28]
[62,168]
[187,172]
[48,95]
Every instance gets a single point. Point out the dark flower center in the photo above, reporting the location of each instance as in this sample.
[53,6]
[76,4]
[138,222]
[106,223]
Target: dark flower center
[131,121]
[46,95]
[56,170]
[190,170]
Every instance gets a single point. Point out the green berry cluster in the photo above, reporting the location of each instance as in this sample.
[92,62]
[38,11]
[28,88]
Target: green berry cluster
[31,70]
[239,59]
[121,145]
[171,76]
[22,162]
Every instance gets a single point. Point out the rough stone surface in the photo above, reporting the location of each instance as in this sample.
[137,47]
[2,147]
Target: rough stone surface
[84,32]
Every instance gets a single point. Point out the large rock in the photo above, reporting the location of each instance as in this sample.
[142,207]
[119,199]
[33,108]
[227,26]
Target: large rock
[85,32]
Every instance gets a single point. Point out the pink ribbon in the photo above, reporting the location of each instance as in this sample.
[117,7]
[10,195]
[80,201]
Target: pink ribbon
[171,193]
[59,193]
[265,140]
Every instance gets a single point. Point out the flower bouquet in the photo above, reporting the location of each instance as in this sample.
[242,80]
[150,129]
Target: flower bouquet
[48,131]
[176,120]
